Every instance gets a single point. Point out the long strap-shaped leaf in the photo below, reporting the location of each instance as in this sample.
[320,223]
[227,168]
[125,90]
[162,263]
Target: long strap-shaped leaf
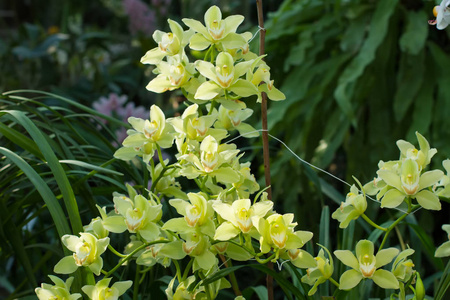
[13,235]
[46,193]
[55,166]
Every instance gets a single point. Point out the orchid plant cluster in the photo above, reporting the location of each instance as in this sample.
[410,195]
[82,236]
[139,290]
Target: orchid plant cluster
[228,217]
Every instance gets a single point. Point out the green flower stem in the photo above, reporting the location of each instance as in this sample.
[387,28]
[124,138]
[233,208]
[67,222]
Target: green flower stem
[161,160]
[389,229]
[136,283]
[213,105]
[129,256]
[115,251]
[368,220]
[265,261]
[207,290]
[232,276]
[333,282]
[187,269]
[177,266]
[400,239]
[161,175]
[145,177]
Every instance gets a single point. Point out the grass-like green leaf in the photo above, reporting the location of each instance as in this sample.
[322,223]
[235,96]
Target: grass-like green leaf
[47,195]
[55,166]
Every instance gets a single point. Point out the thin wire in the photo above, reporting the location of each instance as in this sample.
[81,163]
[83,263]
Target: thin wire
[311,165]
[256,33]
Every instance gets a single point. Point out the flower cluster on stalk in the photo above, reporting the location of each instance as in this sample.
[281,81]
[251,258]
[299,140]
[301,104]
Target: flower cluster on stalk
[223,218]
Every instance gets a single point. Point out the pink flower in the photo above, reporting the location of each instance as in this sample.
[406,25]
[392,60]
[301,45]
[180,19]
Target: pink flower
[108,105]
[141,17]
[161,6]
[131,111]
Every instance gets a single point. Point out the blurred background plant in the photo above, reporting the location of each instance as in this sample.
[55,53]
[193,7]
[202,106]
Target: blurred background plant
[358,75]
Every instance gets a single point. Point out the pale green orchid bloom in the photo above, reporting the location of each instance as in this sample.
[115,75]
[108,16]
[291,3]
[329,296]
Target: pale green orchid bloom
[224,77]
[242,188]
[61,290]
[239,217]
[233,120]
[277,232]
[191,126]
[422,156]
[299,258]
[197,213]
[213,161]
[198,246]
[355,205]
[145,135]
[261,79]
[169,44]
[138,215]
[444,249]
[87,250]
[102,291]
[173,74]
[96,225]
[366,265]
[151,256]
[247,184]
[243,52]
[182,292]
[410,183]
[216,30]
[320,272]
[402,268]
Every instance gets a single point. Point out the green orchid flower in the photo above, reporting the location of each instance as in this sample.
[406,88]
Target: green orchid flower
[87,250]
[224,77]
[61,290]
[197,213]
[299,258]
[321,272]
[261,79]
[402,268]
[239,217]
[197,245]
[169,44]
[355,205]
[366,265]
[422,156]
[233,120]
[277,232]
[216,31]
[143,139]
[182,291]
[151,256]
[377,186]
[137,215]
[444,249]
[191,126]
[213,161]
[410,183]
[96,225]
[173,74]
[102,291]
